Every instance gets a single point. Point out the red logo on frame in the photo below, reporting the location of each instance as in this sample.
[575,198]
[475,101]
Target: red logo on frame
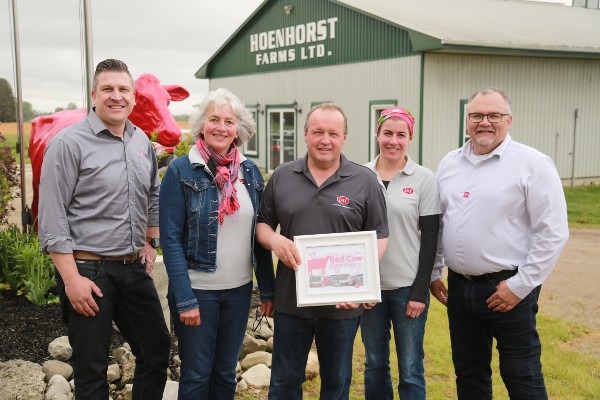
[408,190]
[466,195]
[343,200]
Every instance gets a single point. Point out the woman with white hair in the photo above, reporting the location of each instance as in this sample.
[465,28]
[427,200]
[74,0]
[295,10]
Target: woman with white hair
[209,200]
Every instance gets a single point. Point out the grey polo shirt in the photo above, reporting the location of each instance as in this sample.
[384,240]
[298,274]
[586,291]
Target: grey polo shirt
[412,193]
[293,201]
[97,192]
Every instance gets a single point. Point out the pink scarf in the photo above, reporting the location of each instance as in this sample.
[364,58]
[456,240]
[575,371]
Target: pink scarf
[225,170]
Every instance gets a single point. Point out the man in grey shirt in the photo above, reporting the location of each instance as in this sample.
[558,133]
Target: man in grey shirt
[320,193]
[98,220]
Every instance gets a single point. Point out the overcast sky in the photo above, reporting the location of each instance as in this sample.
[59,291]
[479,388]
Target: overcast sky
[170,39]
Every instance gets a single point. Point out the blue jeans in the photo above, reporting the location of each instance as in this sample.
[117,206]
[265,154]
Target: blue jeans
[131,301]
[408,335]
[292,340]
[473,326]
[209,352]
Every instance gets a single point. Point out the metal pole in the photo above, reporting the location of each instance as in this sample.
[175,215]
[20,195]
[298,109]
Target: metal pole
[21,135]
[573,159]
[88,52]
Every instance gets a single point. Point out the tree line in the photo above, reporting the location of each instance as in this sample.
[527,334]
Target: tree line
[8,105]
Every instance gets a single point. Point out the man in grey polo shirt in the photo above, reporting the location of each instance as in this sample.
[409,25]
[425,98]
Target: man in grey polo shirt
[320,193]
[98,220]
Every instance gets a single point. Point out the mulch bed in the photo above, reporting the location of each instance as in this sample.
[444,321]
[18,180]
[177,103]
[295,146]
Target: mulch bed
[27,329]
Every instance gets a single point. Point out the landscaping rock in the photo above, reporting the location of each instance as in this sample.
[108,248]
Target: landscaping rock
[113,373]
[55,367]
[21,380]
[58,389]
[250,345]
[242,386]
[171,390]
[258,376]
[312,366]
[259,357]
[60,349]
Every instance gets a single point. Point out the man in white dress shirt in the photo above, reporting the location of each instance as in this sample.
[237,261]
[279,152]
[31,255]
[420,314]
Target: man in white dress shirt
[504,225]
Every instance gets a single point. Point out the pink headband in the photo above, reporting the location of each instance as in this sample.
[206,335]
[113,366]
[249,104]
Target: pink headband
[397,112]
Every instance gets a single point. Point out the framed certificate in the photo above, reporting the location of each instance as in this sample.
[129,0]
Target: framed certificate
[337,268]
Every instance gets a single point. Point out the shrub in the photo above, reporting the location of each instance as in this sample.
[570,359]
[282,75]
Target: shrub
[24,268]
[38,273]
[10,180]
[184,145]
[11,241]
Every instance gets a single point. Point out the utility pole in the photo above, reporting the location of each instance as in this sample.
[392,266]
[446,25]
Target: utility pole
[25,215]
[87,48]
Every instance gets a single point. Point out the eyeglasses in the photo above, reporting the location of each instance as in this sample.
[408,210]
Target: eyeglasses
[258,321]
[492,118]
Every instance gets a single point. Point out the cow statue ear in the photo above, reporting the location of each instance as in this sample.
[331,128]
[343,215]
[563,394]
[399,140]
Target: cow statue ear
[177,92]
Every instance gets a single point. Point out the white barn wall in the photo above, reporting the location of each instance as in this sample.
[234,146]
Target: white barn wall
[544,93]
[352,86]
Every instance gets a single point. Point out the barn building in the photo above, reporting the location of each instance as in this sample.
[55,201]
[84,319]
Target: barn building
[426,55]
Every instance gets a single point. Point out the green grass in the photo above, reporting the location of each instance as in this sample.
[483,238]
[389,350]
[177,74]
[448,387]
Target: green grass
[569,374]
[11,141]
[583,204]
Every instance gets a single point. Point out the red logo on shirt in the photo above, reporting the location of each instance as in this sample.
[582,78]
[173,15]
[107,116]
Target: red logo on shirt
[408,190]
[466,195]
[343,200]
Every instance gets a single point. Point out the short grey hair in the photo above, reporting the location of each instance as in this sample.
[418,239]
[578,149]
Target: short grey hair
[218,98]
[490,90]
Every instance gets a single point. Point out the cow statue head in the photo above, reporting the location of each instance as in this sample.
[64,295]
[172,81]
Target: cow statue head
[150,114]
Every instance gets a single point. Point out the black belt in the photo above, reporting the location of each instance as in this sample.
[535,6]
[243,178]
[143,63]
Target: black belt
[490,277]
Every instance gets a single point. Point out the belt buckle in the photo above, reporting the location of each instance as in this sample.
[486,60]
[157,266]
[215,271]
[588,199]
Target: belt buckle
[129,258]
[467,277]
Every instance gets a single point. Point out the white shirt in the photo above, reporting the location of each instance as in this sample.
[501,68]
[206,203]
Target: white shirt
[411,193]
[505,211]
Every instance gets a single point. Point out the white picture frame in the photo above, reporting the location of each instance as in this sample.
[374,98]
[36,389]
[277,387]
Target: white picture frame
[337,268]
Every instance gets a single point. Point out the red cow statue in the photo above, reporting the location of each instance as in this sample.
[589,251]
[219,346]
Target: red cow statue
[150,114]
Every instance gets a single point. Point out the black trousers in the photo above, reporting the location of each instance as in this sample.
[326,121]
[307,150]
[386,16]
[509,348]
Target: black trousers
[131,301]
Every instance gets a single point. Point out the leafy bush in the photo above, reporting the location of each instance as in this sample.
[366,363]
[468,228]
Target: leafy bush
[24,268]
[10,180]
[11,241]
[184,145]
[38,273]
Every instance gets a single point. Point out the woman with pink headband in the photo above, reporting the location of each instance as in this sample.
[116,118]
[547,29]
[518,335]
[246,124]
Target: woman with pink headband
[413,209]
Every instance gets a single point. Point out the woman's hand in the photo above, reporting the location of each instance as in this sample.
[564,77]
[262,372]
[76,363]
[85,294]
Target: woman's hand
[266,308]
[414,309]
[190,317]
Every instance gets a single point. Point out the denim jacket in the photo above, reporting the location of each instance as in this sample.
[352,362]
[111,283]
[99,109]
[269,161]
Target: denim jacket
[188,214]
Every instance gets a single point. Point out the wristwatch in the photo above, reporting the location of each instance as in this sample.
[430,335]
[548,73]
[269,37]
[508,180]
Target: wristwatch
[154,241]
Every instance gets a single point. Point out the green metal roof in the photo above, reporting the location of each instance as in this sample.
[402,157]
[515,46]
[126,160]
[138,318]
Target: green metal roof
[374,29]
[481,24]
